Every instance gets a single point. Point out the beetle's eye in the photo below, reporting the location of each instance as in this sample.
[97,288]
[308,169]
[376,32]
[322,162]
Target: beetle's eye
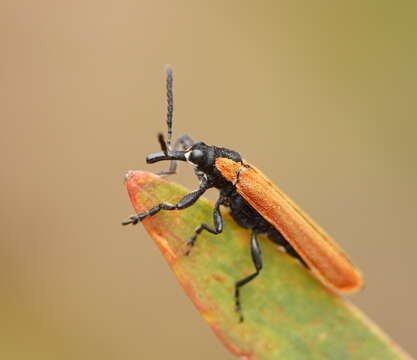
[196,156]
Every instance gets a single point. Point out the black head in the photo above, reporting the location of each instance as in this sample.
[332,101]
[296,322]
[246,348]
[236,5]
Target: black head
[201,156]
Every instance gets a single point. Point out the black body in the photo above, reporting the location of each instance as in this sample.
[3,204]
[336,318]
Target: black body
[202,157]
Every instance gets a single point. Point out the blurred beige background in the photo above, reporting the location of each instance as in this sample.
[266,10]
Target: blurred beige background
[322,97]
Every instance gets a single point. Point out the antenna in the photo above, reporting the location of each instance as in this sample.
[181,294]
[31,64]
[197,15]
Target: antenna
[170,104]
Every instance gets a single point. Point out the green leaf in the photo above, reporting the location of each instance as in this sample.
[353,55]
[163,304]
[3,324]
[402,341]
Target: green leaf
[288,313]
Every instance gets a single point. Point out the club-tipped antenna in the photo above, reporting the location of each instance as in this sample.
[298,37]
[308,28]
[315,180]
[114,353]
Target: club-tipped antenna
[170,104]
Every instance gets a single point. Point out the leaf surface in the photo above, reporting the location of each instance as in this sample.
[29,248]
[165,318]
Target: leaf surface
[288,313]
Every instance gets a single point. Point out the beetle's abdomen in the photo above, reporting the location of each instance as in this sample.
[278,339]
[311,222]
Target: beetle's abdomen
[245,215]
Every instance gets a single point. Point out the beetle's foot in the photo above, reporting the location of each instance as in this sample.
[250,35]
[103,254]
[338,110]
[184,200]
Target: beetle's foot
[238,307]
[190,245]
[239,313]
[241,318]
[134,219]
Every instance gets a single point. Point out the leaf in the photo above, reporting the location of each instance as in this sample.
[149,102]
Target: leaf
[288,313]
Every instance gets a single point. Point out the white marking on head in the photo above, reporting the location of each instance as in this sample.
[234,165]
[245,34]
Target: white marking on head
[187,157]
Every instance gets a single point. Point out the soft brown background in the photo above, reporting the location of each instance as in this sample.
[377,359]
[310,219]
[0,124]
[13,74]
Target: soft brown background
[322,97]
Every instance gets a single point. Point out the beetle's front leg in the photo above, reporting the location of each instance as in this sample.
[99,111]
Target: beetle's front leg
[183,203]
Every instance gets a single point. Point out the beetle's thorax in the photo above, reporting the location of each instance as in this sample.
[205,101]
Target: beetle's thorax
[203,159]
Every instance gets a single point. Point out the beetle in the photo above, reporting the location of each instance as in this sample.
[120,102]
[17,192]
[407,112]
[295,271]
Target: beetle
[256,204]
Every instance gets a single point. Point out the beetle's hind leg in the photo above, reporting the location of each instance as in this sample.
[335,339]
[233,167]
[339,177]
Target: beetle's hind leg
[257,261]
[218,226]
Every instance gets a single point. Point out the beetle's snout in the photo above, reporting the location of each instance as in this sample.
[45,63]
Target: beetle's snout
[171,155]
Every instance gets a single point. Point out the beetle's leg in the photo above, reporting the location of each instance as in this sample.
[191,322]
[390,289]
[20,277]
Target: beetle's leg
[218,226]
[183,142]
[257,261]
[183,203]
